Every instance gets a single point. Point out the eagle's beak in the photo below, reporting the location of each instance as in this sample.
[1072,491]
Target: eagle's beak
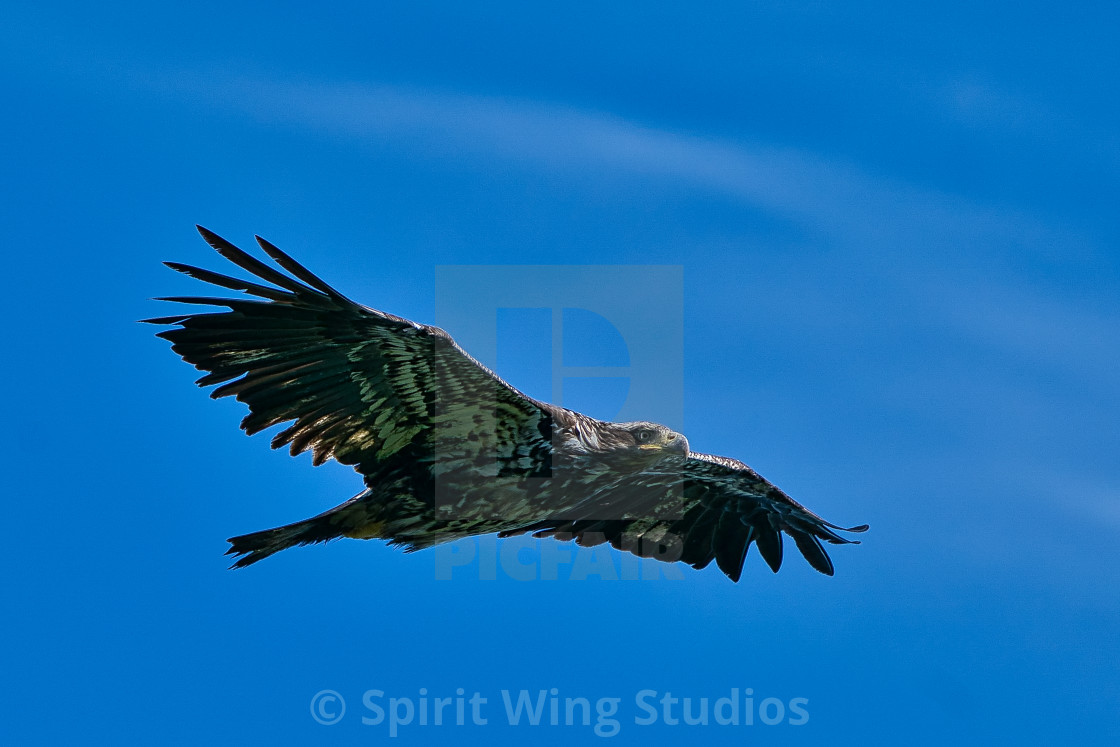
[679,444]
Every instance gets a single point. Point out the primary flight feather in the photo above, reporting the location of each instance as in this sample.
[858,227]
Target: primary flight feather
[447,449]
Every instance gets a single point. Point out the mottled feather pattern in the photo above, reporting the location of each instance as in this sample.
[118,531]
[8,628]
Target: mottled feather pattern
[698,509]
[446,448]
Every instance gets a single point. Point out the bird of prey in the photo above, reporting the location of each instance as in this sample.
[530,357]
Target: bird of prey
[447,449]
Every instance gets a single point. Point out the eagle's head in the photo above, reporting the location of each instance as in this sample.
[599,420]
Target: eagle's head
[639,439]
[650,439]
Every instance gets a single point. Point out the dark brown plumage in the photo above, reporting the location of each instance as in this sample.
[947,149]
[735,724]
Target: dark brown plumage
[447,449]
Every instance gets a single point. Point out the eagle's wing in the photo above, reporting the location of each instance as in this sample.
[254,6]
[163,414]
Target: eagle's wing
[697,509]
[361,386]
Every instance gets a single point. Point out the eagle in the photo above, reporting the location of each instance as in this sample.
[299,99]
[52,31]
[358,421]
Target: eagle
[446,449]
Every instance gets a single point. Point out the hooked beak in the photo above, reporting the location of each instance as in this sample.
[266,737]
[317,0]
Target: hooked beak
[679,444]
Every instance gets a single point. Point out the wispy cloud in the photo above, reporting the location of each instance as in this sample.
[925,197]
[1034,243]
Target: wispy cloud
[835,197]
[982,104]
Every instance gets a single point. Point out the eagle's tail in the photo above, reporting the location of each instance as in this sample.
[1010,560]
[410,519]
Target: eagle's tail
[337,522]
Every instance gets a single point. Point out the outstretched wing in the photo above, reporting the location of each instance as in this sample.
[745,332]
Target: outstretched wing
[362,386]
[697,509]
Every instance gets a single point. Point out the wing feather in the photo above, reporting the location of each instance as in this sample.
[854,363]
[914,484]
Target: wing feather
[357,385]
[723,506]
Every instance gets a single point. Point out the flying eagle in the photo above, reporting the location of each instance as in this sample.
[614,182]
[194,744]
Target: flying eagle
[447,449]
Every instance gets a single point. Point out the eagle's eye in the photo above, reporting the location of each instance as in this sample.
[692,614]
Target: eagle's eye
[643,436]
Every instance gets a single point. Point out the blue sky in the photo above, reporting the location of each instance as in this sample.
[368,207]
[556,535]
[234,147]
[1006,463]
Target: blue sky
[898,238]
